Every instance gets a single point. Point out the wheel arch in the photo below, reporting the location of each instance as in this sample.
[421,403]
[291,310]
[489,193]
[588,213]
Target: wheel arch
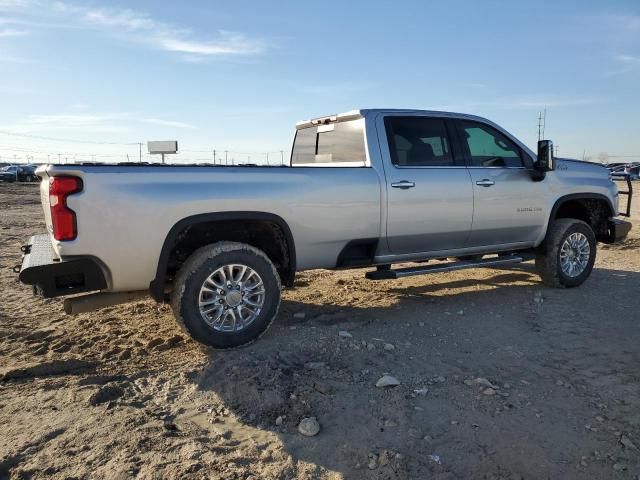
[179,231]
[592,208]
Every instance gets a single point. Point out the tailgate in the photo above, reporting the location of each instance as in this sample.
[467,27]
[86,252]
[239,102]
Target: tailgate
[44,197]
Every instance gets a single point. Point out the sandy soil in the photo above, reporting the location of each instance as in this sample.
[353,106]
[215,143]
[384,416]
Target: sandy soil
[123,393]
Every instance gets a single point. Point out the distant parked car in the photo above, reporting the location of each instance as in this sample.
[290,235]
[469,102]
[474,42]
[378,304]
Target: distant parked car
[615,165]
[634,171]
[18,173]
[9,173]
[27,173]
[630,169]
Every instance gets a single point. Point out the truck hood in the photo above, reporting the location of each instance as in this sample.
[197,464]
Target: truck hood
[584,168]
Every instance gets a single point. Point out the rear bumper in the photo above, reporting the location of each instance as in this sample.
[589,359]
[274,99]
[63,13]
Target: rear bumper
[53,277]
[618,230]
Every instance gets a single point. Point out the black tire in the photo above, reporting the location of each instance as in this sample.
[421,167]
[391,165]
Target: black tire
[548,259]
[202,263]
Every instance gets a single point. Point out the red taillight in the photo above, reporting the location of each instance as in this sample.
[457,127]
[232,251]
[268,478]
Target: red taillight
[62,217]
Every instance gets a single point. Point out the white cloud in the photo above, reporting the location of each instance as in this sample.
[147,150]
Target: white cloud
[228,43]
[13,90]
[336,89]
[628,59]
[142,28]
[8,58]
[14,4]
[97,122]
[631,22]
[71,120]
[521,103]
[129,25]
[166,123]
[626,63]
[551,101]
[8,32]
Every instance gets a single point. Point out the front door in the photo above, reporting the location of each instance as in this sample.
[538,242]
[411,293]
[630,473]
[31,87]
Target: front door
[508,206]
[429,191]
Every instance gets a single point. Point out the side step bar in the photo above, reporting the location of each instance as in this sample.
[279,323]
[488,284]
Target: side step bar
[390,274]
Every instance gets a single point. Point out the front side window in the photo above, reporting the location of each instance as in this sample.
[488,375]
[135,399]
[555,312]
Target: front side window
[418,142]
[336,144]
[487,147]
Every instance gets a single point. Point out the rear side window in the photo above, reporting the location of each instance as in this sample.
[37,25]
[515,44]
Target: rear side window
[336,144]
[418,142]
[487,147]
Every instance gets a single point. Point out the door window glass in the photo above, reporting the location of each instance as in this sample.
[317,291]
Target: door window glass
[418,142]
[489,148]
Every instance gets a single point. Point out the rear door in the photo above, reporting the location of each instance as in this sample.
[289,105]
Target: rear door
[509,205]
[429,192]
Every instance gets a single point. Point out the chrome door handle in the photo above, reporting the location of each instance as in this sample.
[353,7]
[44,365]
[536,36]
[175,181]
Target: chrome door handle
[485,182]
[404,184]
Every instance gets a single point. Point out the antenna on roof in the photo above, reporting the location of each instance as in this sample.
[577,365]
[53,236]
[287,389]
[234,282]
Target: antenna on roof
[542,122]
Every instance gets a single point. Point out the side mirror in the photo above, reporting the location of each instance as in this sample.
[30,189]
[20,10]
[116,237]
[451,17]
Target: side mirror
[546,162]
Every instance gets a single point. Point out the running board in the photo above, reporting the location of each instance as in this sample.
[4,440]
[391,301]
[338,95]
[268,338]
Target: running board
[389,274]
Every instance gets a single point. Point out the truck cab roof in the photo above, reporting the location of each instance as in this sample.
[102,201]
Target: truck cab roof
[364,112]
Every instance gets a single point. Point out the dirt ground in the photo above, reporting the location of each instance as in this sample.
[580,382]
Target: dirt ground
[500,378]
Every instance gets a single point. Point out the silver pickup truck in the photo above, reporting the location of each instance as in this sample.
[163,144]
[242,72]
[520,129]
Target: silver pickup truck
[368,188]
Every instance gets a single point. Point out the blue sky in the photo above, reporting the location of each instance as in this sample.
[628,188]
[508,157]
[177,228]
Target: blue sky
[237,75]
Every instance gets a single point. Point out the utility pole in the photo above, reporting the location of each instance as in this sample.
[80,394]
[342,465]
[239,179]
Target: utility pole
[140,152]
[267,158]
[226,161]
[214,157]
[281,157]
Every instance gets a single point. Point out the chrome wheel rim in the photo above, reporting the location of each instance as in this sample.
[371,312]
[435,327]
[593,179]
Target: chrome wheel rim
[231,298]
[574,254]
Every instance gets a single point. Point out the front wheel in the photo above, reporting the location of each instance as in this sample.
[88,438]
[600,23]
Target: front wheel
[226,294]
[568,254]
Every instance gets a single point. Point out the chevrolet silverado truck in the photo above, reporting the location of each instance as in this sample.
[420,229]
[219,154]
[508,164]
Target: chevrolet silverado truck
[367,188]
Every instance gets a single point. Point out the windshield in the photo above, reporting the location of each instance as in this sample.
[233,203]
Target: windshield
[8,169]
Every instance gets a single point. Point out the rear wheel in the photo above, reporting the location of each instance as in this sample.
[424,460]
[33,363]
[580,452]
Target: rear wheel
[568,254]
[226,295]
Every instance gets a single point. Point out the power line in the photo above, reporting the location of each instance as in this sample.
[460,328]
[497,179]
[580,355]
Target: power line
[49,152]
[53,139]
[30,150]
